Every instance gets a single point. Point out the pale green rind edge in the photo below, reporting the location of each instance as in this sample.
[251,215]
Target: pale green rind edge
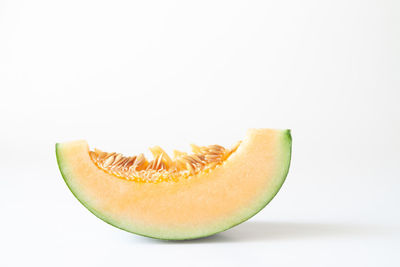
[288,138]
[287,143]
[86,205]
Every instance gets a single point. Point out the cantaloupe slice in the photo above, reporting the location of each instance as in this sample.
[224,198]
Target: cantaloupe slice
[186,197]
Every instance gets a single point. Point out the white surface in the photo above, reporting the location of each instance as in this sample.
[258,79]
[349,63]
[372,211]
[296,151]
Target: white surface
[126,75]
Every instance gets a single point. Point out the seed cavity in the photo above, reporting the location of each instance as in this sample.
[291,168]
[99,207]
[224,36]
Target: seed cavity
[162,168]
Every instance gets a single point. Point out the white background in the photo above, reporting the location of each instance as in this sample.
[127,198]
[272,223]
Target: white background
[126,75]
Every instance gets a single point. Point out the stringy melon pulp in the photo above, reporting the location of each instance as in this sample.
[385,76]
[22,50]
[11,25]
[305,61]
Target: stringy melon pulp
[184,197]
[162,168]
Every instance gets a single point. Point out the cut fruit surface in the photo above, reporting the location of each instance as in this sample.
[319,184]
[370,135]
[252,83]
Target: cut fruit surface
[186,196]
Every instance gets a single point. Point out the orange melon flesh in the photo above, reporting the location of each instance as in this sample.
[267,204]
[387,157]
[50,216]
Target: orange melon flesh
[199,206]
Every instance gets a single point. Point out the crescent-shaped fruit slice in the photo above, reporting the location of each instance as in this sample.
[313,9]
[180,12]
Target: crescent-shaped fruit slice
[187,196]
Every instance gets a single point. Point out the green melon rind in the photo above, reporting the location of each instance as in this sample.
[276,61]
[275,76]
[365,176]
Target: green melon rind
[269,195]
[95,212]
[286,150]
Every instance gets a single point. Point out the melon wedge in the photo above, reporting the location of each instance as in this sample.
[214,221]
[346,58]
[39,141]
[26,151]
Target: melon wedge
[191,207]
